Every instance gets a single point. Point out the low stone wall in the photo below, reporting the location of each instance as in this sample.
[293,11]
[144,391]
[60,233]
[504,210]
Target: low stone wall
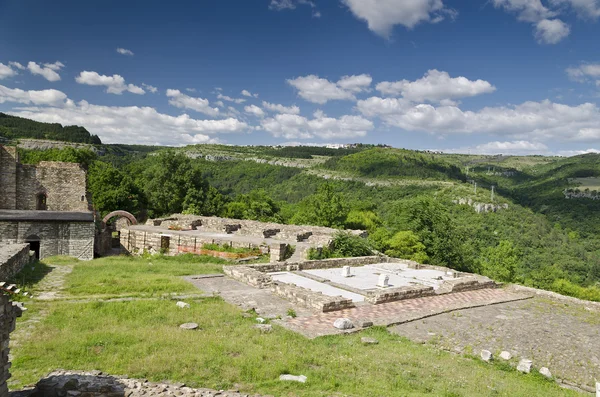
[8,317]
[248,275]
[13,258]
[398,294]
[311,299]
[319,264]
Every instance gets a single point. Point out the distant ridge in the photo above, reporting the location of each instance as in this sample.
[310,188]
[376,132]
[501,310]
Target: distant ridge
[12,127]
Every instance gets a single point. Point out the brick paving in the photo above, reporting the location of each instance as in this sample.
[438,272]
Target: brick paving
[400,312]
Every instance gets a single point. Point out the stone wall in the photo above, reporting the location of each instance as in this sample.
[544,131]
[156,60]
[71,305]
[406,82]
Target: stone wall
[311,234]
[8,316]
[12,259]
[56,238]
[8,177]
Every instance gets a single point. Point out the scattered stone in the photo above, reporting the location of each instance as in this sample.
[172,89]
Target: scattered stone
[346,271]
[384,281]
[486,355]
[189,326]
[360,323]
[300,378]
[264,328]
[505,355]
[369,341]
[260,320]
[524,366]
[546,372]
[183,305]
[343,323]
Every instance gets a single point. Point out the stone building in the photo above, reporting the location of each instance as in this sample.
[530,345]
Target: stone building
[45,205]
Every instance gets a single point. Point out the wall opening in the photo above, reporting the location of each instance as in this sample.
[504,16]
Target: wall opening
[165,242]
[34,245]
[116,239]
[40,202]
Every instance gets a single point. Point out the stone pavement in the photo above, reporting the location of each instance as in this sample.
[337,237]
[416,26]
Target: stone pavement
[387,314]
[563,336]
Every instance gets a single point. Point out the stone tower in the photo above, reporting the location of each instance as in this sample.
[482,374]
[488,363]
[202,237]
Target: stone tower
[8,177]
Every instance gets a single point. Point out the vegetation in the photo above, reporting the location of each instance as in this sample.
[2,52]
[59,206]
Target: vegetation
[141,338]
[12,127]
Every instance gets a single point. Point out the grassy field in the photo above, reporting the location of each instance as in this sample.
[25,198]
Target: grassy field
[586,183]
[141,338]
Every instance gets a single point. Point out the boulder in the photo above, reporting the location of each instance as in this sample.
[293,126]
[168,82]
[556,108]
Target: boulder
[524,366]
[486,355]
[546,372]
[183,305]
[288,377]
[505,355]
[343,323]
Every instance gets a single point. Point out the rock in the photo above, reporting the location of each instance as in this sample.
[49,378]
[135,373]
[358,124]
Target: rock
[343,323]
[505,355]
[260,320]
[300,378]
[369,341]
[486,355]
[546,372]
[264,328]
[383,281]
[524,366]
[189,326]
[183,305]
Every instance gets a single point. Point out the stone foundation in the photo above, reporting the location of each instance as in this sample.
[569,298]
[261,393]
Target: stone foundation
[12,259]
[8,316]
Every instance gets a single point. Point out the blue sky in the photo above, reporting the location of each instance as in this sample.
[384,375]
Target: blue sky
[490,76]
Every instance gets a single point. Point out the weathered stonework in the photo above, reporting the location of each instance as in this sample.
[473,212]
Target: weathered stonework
[8,317]
[12,259]
[45,205]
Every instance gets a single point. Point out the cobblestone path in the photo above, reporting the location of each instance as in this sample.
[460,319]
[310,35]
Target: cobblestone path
[399,312]
[565,337]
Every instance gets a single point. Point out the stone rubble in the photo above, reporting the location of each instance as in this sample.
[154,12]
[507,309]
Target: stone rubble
[505,355]
[183,305]
[96,384]
[486,355]
[524,366]
[288,377]
[264,328]
[189,326]
[546,372]
[343,323]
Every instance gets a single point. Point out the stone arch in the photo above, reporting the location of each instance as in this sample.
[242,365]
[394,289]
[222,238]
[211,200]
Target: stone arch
[120,214]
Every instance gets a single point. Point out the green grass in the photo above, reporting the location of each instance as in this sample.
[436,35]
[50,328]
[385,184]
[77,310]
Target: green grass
[141,339]
[135,276]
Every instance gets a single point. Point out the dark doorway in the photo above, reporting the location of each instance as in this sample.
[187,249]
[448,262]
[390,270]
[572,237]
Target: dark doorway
[116,240]
[41,202]
[165,242]
[35,247]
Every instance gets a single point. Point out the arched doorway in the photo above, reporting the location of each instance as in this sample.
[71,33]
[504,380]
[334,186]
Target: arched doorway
[34,245]
[111,234]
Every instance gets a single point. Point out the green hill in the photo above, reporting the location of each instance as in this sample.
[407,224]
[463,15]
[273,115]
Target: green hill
[12,127]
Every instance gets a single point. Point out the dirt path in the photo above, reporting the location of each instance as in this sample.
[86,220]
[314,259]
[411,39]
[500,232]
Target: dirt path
[565,337]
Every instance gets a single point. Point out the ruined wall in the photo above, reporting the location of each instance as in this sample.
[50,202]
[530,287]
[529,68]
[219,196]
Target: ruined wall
[64,185]
[12,259]
[8,177]
[8,317]
[56,238]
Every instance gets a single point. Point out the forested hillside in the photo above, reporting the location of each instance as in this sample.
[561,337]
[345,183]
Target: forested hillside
[407,200]
[12,127]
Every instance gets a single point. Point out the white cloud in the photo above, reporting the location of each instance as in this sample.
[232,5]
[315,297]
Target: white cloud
[255,110]
[17,65]
[551,31]
[190,89]
[584,8]
[527,10]
[275,107]
[292,126]
[220,104]
[279,5]
[569,153]
[150,88]
[249,94]
[43,97]
[435,86]
[319,90]
[48,70]
[382,15]
[230,99]
[528,121]
[6,71]
[125,51]
[133,124]
[585,73]
[182,101]
[114,84]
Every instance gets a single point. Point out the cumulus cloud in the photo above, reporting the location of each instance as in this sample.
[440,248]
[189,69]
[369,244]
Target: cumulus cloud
[124,51]
[133,124]
[230,99]
[551,31]
[382,15]
[47,70]
[42,97]
[6,71]
[183,101]
[249,94]
[114,84]
[255,110]
[547,28]
[514,148]
[585,73]
[275,107]
[150,88]
[529,120]
[318,90]
[17,65]
[435,86]
[293,126]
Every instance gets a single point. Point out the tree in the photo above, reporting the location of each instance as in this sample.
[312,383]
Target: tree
[113,190]
[406,244]
[500,262]
[363,220]
[257,205]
